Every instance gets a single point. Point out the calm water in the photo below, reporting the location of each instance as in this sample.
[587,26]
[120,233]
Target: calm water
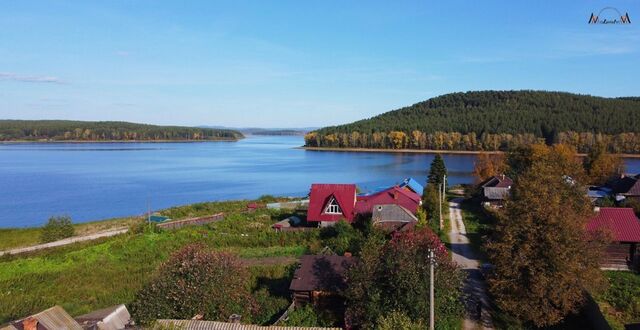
[104,180]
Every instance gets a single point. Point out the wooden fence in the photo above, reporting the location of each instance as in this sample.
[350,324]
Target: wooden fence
[192,221]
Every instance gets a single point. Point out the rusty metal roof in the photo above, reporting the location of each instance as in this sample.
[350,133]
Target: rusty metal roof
[214,325]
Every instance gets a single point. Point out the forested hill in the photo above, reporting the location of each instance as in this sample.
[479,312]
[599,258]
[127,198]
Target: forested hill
[66,130]
[494,120]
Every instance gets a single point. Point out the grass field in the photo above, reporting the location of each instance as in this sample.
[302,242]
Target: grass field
[87,276]
[620,304]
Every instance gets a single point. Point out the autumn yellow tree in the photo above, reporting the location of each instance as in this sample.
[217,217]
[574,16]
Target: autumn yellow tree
[488,165]
[602,166]
[543,256]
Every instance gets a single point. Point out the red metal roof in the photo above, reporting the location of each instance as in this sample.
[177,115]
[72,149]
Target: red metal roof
[393,195]
[345,195]
[621,222]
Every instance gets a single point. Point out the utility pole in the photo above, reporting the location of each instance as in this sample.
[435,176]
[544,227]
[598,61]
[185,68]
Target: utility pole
[432,262]
[440,203]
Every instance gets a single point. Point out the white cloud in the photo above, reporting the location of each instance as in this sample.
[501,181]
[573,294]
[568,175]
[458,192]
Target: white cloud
[9,76]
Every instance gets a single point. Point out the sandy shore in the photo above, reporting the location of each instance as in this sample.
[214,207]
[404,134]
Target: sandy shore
[428,151]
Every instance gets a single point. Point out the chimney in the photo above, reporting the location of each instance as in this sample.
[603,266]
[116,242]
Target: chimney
[30,324]
[596,209]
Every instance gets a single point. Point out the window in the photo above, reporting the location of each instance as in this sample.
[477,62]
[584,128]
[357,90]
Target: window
[333,207]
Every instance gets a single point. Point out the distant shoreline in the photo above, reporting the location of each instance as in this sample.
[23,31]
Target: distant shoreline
[115,141]
[428,151]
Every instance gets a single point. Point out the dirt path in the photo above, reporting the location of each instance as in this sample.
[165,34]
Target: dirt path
[66,241]
[465,256]
[269,261]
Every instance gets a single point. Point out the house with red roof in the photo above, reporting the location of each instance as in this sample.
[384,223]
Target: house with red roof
[394,195]
[330,203]
[624,229]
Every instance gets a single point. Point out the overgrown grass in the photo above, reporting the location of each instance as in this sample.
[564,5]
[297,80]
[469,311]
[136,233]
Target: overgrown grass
[621,302]
[477,224]
[19,237]
[91,275]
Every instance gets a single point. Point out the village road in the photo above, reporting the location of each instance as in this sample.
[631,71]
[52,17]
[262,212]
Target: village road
[477,303]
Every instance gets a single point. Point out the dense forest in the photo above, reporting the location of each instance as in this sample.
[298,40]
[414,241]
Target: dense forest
[66,130]
[495,120]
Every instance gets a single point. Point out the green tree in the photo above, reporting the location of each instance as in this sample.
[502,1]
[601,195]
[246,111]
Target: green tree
[195,281]
[394,275]
[437,171]
[57,228]
[342,237]
[544,258]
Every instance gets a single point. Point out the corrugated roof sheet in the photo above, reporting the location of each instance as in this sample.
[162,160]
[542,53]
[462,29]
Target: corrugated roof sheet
[393,195]
[53,318]
[391,212]
[412,184]
[214,325]
[498,181]
[111,318]
[621,222]
[321,194]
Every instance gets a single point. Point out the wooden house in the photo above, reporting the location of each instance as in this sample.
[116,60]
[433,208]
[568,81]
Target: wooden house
[330,203]
[624,229]
[393,218]
[496,189]
[394,195]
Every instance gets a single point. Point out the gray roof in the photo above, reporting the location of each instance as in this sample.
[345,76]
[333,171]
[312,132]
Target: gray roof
[111,318]
[53,318]
[391,212]
[214,325]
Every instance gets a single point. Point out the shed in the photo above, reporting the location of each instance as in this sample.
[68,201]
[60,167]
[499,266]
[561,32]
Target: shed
[158,218]
[319,277]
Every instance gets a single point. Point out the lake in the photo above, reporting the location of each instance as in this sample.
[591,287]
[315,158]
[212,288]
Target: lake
[93,181]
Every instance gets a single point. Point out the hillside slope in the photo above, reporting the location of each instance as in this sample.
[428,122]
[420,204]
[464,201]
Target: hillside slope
[67,130]
[494,120]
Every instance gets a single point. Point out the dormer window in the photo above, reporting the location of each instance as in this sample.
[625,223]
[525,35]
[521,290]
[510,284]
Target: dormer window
[333,207]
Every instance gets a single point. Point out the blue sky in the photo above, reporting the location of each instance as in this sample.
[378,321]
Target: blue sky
[297,63]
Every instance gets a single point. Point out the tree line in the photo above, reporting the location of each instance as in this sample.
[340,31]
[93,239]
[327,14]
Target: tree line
[494,120]
[66,130]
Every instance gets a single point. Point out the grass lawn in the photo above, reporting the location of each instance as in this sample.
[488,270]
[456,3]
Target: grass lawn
[476,224]
[621,302]
[87,276]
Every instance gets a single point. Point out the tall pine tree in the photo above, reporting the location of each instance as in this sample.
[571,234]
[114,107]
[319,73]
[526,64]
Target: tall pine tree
[437,171]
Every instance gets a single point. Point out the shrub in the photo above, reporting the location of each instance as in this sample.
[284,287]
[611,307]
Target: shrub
[394,275]
[341,238]
[398,321]
[307,316]
[57,228]
[195,281]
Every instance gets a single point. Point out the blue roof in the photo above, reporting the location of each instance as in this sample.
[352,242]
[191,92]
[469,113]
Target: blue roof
[158,218]
[413,185]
